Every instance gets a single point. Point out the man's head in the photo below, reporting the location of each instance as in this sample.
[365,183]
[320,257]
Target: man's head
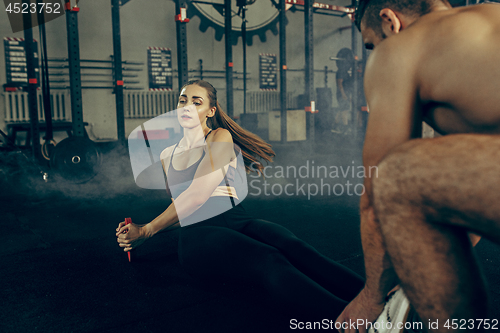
[378,19]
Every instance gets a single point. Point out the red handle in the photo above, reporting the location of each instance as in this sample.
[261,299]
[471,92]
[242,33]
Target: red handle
[128,220]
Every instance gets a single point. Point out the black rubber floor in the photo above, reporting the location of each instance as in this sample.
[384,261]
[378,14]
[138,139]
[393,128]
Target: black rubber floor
[62,271]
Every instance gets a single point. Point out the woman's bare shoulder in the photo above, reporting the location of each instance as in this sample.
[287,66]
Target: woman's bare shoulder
[222,135]
[167,152]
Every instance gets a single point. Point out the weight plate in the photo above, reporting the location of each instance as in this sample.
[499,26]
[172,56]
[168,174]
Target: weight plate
[76,159]
[348,59]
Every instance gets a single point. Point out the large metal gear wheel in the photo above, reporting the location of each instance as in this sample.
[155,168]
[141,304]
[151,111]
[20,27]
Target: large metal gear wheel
[261,16]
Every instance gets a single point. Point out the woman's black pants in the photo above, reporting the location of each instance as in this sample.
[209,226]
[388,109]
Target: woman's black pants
[235,247]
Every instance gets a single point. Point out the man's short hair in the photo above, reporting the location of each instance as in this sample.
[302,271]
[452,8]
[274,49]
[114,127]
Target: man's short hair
[369,10]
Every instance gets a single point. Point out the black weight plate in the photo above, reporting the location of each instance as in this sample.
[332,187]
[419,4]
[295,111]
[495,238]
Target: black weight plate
[76,159]
[348,59]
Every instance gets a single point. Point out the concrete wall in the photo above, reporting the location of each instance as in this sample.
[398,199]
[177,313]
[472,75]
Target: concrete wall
[150,23]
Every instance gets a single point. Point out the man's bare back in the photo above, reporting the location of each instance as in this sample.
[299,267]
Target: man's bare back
[456,55]
[440,66]
[459,94]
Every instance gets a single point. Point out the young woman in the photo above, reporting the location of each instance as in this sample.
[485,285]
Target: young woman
[233,245]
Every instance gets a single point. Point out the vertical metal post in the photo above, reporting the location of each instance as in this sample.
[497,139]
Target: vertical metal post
[200,61]
[364,59]
[44,77]
[364,55]
[229,56]
[326,76]
[283,68]
[74,71]
[362,96]
[309,65]
[118,79]
[355,76]
[182,60]
[244,41]
[31,67]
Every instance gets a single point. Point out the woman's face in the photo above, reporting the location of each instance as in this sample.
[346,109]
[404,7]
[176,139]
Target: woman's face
[193,107]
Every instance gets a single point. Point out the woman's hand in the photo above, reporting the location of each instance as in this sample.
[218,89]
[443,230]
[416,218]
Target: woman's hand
[130,236]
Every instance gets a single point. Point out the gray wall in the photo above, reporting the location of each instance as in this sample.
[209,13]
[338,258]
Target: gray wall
[151,23]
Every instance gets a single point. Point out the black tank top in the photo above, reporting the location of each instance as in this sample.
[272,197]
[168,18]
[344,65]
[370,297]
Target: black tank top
[180,180]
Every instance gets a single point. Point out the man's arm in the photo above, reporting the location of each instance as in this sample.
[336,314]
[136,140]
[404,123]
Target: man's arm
[391,93]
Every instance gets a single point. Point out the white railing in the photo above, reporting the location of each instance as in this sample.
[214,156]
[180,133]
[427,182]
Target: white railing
[149,104]
[16,106]
[265,101]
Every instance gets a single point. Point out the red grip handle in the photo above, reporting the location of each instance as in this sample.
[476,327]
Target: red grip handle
[128,220]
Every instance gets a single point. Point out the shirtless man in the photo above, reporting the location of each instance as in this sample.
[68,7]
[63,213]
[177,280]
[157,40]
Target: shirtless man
[440,64]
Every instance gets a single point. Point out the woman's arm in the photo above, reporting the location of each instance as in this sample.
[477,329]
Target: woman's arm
[210,172]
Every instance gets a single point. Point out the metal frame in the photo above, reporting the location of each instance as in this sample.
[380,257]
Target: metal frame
[229,57]
[44,77]
[354,100]
[182,59]
[309,64]
[31,65]
[75,72]
[283,68]
[310,8]
[318,5]
[117,70]
[244,41]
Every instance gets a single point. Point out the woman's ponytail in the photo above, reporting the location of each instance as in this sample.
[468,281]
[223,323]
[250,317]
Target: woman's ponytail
[252,146]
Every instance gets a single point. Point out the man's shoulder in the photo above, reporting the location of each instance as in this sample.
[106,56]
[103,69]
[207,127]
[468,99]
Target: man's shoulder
[457,24]
[393,66]
[393,52]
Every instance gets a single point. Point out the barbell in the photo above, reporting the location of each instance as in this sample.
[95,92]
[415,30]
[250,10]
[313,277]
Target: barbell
[344,58]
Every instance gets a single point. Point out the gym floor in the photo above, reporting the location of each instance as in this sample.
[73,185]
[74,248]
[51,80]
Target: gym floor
[62,270]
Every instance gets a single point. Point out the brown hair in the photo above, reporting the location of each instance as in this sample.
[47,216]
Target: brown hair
[252,147]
